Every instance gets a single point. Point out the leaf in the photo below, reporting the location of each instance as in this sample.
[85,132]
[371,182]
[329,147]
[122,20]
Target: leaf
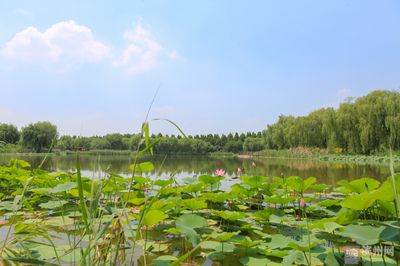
[359,201]
[224,236]
[246,241]
[53,204]
[360,185]
[329,202]
[346,216]
[262,215]
[153,217]
[390,234]
[278,241]
[20,163]
[298,258]
[363,234]
[308,182]
[63,187]
[300,185]
[40,191]
[217,246]
[164,260]
[149,148]
[211,180]
[143,167]
[255,261]
[157,247]
[330,227]
[304,245]
[230,215]
[194,204]
[82,203]
[187,223]
[146,134]
[330,260]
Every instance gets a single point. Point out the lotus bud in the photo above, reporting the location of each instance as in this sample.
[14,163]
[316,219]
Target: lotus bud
[302,203]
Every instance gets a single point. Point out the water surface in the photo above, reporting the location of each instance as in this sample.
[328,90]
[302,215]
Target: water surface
[189,166]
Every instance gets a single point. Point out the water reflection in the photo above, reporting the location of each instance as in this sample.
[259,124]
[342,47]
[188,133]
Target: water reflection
[186,166]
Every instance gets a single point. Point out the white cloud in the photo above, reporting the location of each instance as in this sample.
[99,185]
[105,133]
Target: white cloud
[64,42]
[143,52]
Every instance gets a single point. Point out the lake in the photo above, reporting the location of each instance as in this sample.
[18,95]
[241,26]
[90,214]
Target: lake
[189,166]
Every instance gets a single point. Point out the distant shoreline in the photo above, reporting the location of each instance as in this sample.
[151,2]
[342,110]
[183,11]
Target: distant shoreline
[331,158]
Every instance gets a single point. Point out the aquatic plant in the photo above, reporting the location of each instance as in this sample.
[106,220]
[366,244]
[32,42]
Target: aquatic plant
[61,218]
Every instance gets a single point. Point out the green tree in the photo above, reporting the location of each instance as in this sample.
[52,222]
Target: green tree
[9,134]
[39,136]
[253,144]
[116,141]
[234,146]
[99,144]
[66,143]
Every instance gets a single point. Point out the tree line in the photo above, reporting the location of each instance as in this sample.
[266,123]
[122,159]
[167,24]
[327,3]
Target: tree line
[43,136]
[363,125]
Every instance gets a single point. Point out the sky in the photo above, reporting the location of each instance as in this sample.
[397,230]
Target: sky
[93,67]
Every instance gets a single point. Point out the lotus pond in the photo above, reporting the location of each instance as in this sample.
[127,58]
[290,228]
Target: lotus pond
[64,218]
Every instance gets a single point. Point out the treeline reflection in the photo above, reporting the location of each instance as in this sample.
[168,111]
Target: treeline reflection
[197,165]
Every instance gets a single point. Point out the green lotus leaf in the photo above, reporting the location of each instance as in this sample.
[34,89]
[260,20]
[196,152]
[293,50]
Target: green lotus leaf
[63,187]
[187,223]
[53,204]
[194,204]
[153,217]
[363,234]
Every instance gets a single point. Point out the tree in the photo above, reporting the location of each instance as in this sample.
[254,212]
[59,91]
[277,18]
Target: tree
[9,134]
[39,136]
[99,144]
[116,141]
[253,144]
[234,146]
[364,125]
[66,143]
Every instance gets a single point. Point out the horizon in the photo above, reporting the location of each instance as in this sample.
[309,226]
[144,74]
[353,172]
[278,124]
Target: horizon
[179,134]
[93,68]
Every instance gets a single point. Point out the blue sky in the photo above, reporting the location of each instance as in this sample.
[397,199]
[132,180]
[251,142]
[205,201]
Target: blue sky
[92,67]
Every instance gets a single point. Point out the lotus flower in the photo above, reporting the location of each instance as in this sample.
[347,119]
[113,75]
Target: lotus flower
[302,203]
[253,164]
[219,172]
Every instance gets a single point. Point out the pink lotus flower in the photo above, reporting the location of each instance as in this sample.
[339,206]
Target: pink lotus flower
[219,172]
[302,203]
[239,171]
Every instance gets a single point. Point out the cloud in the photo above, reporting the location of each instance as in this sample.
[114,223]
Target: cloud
[143,52]
[65,42]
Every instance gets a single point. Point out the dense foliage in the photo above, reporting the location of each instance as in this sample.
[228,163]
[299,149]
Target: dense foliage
[55,218]
[39,136]
[9,134]
[365,125]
